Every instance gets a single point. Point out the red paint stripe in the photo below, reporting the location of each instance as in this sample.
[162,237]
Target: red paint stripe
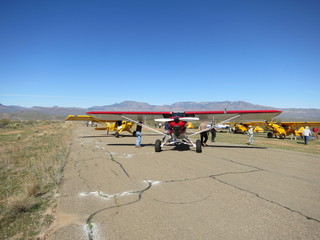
[233,112]
[127,112]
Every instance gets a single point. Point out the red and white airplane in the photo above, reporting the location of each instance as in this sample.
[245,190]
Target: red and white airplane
[177,121]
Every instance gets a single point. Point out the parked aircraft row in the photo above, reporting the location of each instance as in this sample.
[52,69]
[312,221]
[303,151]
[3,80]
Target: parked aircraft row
[276,129]
[123,121]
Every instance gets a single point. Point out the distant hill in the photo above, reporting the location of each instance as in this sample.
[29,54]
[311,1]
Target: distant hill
[60,113]
[180,106]
[38,113]
[10,109]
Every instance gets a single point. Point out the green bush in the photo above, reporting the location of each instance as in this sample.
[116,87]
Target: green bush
[4,123]
[16,124]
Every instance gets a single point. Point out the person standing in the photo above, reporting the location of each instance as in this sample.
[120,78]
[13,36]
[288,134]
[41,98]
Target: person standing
[213,132]
[292,133]
[138,134]
[315,132]
[166,130]
[204,134]
[306,134]
[250,133]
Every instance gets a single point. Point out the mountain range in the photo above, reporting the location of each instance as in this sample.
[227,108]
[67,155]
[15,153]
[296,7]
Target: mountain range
[60,113]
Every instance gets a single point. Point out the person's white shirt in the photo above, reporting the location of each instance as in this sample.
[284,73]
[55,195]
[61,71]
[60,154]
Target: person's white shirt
[306,132]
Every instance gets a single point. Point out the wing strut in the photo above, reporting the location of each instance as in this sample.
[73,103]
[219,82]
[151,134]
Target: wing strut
[208,129]
[143,125]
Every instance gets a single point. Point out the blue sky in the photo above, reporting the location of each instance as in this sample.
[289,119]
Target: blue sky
[90,53]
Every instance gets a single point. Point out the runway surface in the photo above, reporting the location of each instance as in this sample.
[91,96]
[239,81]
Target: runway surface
[112,190]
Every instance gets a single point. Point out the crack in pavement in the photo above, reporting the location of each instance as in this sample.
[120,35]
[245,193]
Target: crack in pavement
[108,196]
[228,173]
[241,164]
[97,146]
[193,179]
[274,172]
[121,166]
[84,180]
[258,196]
[89,224]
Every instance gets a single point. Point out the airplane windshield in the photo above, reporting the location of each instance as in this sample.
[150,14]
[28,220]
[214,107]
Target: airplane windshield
[178,114]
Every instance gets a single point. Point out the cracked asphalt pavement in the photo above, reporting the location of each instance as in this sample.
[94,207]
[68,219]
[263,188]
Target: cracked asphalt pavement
[112,190]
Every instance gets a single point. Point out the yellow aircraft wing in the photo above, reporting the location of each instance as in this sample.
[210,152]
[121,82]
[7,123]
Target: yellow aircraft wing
[79,118]
[84,118]
[123,125]
[300,124]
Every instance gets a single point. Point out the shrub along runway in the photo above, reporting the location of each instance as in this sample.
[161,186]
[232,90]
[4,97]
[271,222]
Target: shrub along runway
[112,190]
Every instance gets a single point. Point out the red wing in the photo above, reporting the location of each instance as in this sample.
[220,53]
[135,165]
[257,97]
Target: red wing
[137,116]
[243,115]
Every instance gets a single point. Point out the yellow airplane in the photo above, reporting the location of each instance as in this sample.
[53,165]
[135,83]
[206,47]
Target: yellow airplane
[190,125]
[277,129]
[283,129]
[111,126]
[119,127]
[243,127]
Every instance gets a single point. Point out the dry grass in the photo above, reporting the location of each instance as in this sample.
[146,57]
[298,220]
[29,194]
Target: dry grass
[19,204]
[31,167]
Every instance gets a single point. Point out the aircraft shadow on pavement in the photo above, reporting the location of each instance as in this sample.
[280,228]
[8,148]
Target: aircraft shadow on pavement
[129,144]
[180,147]
[96,136]
[226,146]
[113,136]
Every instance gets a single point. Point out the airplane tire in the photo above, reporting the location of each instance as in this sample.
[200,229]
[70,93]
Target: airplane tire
[157,146]
[282,136]
[117,134]
[198,146]
[134,133]
[269,135]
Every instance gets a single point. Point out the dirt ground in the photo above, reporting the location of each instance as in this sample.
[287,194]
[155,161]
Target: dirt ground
[112,190]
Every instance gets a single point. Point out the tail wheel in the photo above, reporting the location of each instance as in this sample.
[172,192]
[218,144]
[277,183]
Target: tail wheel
[157,146]
[282,136]
[198,146]
[269,135]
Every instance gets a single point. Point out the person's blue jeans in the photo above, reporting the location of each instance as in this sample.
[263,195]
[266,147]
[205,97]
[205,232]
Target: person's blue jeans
[138,141]
[306,139]
[250,138]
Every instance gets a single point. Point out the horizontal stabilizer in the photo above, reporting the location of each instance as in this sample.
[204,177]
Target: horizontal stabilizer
[164,120]
[181,118]
[189,119]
